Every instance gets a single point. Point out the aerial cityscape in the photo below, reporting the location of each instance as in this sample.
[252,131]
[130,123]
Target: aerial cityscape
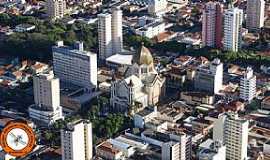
[134,80]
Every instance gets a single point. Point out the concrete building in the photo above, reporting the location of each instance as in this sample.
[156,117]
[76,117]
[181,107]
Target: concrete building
[212,151]
[110,36]
[24,28]
[265,104]
[170,151]
[248,85]
[142,83]
[212,24]
[117,35]
[255,14]
[107,151]
[210,77]
[76,141]
[232,29]
[174,146]
[47,107]
[197,98]
[151,30]
[74,65]
[56,9]
[233,132]
[104,35]
[157,7]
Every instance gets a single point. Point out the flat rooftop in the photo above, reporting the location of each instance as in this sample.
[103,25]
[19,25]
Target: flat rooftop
[120,59]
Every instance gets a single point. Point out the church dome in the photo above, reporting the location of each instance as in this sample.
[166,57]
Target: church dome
[143,56]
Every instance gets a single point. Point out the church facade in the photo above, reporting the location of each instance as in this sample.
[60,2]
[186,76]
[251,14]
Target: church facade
[141,83]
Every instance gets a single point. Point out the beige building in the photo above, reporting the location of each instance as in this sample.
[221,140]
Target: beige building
[107,151]
[197,98]
[142,84]
[233,132]
[47,107]
[76,141]
[56,9]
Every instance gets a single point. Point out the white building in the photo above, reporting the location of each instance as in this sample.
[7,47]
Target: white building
[248,85]
[117,35]
[142,84]
[47,107]
[110,36]
[212,24]
[170,151]
[151,30]
[233,132]
[210,78]
[255,14]
[232,29]
[157,7]
[56,8]
[75,65]
[215,151]
[76,141]
[174,146]
[144,116]
[104,35]
[24,28]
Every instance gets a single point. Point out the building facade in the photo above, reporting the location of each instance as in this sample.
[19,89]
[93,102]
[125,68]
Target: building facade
[175,146]
[72,64]
[157,7]
[104,35]
[76,141]
[151,30]
[47,107]
[233,132]
[117,35]
[56,9]
[170,151]
[216,151]
[232,29]
[212,24]
[110,36]
[248,85]
[255,14]
[142,84]
[210,78]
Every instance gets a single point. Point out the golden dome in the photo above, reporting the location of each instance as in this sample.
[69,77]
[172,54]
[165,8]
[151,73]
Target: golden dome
[143,56]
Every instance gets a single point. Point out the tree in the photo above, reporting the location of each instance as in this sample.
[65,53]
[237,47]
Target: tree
[4,19]
[113,124]
[170,46]
[136,41]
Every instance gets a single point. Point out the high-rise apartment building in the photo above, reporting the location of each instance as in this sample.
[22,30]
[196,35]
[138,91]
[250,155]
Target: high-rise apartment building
[74,65]
[47,107]
[56,8]
[248,85]
[232,29]
[255,14]
[174,146]
[77,141]
[170,151]
[210,77]
[233,132]
[157,7]
[212,24]
[110,37]
[104,35]
[117,35]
